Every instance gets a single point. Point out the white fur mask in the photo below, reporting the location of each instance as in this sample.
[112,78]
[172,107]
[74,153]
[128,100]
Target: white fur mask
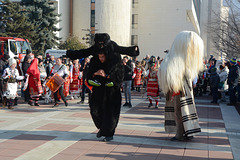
[185,59]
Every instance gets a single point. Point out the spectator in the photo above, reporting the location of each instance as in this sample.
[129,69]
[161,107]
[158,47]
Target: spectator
[48,67]
[223,74]
[52,60]
[232,81]
[214,82]
[3,65]
[29,53]
[238,86]
[40,57]
[43,74]
[84,69]
[25,65]
[211,65]
[127,81]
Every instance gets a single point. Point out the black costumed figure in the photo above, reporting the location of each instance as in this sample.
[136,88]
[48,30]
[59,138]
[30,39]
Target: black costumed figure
[106,72]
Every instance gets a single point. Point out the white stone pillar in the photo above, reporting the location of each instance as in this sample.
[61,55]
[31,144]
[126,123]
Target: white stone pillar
[114,17]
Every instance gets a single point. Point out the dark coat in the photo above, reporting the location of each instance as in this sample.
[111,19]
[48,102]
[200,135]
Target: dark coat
[214,80]
[105,102]
[84,69]
[128,72]
[25,65]
[233,76]
[110,48]
[3,65]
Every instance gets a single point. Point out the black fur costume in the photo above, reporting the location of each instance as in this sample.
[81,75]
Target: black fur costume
[105,102]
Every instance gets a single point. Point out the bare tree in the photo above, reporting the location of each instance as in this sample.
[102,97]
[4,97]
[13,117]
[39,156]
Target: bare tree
[224,30]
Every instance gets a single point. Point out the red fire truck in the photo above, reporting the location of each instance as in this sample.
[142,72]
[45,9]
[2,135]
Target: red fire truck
[15,47]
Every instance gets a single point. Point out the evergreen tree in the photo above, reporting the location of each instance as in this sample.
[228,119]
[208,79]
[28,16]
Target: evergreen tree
[15,23]
[72,42]
[43,15]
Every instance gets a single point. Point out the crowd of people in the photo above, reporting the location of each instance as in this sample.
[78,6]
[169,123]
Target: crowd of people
[31,75]
[219,77]
[102,79]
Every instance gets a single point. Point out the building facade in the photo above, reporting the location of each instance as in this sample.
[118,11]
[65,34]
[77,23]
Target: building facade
[157,22]
[152,25]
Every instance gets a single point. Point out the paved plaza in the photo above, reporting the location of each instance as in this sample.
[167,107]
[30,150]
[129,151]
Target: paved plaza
[68,133]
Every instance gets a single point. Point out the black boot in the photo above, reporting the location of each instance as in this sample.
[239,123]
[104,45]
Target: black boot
[106,139]
[99,134]
[16,101]
[30,103]
[66,103]
[150,105]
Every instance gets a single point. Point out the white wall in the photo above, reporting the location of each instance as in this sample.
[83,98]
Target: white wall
[64,10]
[159,22]
[81,17]
[214,12]
[114,17]
[204,26]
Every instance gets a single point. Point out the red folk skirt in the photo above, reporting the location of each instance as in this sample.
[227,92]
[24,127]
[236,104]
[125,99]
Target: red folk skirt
[152,89]
[35,87]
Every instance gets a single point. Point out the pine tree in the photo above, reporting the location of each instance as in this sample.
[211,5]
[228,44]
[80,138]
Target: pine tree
[43,15]
[15,22]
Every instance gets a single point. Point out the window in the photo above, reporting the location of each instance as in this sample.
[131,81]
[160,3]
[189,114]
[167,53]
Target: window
[134,40]
[134,3]
[13,47]
[134,21]
[22,46]
[92,18]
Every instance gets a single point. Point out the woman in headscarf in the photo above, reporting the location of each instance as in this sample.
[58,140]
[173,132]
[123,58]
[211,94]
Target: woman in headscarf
[11,74]
[152,85]
[34,82]
[75,82]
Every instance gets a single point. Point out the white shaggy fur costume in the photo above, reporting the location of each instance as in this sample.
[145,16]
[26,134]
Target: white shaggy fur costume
[180,66]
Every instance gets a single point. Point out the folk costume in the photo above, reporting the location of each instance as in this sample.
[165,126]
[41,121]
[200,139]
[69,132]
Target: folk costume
[75,82]
[63,72]
[152,86]
[137,74]
[11,76]
[105,102]
[34,82]
[67,85]
[175,75]
[104,44]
